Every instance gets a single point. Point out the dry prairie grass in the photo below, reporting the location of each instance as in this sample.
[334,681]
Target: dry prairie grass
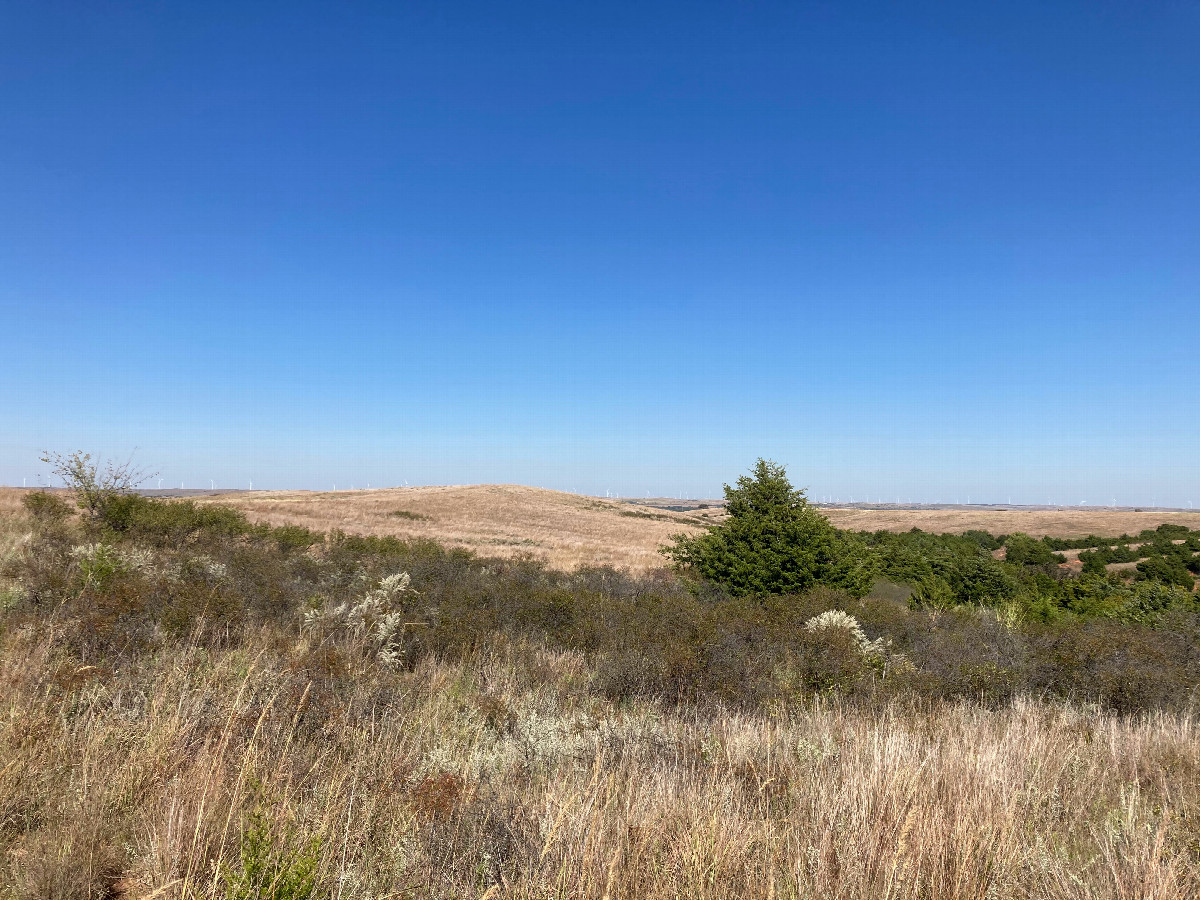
[564,530]
[568,530]
[1063,523]
[501,772]
[495,776]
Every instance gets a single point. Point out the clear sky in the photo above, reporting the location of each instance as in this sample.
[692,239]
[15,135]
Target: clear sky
[933,251]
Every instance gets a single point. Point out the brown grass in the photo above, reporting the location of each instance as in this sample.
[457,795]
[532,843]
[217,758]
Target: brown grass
[569,530]
[137,783]
[504,774]
[564,530]
[1064,523]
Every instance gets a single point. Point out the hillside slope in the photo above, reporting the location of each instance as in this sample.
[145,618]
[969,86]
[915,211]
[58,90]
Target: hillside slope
[565,530]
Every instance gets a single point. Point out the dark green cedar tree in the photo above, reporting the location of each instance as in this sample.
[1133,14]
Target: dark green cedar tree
[774,542]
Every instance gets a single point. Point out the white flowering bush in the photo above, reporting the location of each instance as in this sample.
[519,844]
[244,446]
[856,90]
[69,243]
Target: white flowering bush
[377,619]
[837,619]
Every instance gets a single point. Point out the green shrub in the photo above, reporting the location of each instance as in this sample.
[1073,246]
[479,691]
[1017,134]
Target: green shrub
[94,487]
[101,564]
[1165,570]
[289,537]
[271,868]
[942,569]
[1022,550]
[46,507]
[934,592]
[1094,562]
[984,539]
[773,542]
[169,522]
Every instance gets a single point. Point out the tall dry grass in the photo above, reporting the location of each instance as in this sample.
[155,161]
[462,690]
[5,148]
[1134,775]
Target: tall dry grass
[172,770]
[498,773]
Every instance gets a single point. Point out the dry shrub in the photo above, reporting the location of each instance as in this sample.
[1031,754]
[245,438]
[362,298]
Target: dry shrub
[435,797]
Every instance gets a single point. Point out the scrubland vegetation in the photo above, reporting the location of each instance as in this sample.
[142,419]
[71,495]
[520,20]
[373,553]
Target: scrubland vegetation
[197,706]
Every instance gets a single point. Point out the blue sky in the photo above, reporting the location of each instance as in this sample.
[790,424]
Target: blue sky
[934,251]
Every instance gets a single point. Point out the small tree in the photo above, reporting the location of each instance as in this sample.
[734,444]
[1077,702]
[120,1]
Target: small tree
[95,488]
[774,542]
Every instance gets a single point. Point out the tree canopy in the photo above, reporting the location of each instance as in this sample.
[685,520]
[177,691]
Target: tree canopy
[774,542]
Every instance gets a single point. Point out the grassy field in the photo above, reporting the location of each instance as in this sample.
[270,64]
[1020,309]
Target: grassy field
[211,714]
[499,775]
[1063,522]
[564,530]
[570,530]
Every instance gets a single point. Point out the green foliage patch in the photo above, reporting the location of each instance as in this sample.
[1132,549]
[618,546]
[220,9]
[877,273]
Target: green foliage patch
[774,542]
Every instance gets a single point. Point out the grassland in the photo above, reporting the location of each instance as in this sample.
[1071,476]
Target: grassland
[570,530]
[499,775]
[1059,522]
[564,530]
[201,715]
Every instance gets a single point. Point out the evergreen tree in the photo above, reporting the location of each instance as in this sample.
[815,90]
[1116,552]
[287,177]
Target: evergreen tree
[774,542]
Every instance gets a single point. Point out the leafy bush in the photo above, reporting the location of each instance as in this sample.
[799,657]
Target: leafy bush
[985,539]
[773,542]
[1022,550]
[94,487]
[271,867]
[46,507]
[1165,570]
[943,569]
[171,522]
